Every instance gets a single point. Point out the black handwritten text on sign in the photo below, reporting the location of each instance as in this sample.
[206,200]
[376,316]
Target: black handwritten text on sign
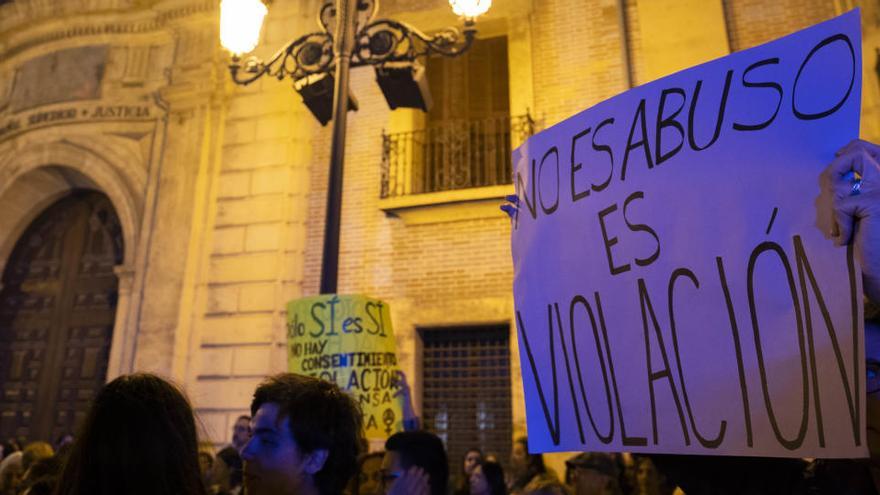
[349,340]
[675,289]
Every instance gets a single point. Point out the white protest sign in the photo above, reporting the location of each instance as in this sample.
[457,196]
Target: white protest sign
[676,290]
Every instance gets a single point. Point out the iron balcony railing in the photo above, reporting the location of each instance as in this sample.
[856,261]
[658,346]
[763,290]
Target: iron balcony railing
[455,154]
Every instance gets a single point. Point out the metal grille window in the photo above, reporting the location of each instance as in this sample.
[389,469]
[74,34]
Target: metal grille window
[466,389]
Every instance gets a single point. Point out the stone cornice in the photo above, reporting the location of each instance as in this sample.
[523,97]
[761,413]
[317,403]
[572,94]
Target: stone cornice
[135,21]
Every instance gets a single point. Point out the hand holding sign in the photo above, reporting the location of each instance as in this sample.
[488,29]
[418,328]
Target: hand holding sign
[511,206]
[855,180]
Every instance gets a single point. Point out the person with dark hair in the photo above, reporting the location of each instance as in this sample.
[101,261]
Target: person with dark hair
[241,432]
[63,442]
[487,478]
[306,437]
[206,465]
[10,473]
[34,452]
[594,473]
[41,476]
[471,459]
[547,487]
[368,479]
[415,462]
[527,470]
[9,447]
[650,481]
[138,438]
[41,486]
[226,474]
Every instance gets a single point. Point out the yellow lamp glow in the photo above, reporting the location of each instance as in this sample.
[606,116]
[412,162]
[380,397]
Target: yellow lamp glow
[470,9]
[240,24]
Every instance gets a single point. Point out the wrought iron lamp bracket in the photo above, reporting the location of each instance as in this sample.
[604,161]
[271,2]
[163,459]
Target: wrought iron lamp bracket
[386,40]
[309,54]
[376,43]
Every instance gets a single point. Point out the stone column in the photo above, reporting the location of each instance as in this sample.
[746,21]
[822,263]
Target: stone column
[123,333]
[178,201]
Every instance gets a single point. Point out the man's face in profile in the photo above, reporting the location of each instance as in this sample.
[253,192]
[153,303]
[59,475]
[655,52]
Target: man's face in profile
[273,463]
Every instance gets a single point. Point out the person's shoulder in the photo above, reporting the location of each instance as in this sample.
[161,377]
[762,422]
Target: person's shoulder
[230,457]
[730,474]
[228,450]
[841,477]
[549,476]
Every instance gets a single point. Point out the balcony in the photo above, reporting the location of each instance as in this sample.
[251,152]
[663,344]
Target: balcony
[450,156]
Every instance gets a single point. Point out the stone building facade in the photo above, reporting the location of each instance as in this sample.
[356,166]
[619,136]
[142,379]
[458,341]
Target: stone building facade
[220,189]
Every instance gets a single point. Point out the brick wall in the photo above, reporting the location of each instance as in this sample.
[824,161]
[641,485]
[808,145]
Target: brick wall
[577,58]
[752,22]
[436,273]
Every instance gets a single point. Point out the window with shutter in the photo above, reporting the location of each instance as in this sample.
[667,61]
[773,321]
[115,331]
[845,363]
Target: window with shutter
[467,136]
[470,87]
[468,133]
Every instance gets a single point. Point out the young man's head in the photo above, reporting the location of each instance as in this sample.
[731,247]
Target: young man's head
[420,449]
[595,472]
[241,432]
[306,437]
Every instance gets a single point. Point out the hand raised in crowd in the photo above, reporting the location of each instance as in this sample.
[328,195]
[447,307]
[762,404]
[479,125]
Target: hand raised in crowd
[855,181]
[410,419]
[413,481]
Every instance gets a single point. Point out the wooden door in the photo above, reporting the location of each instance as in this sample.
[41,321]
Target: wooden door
[57,309]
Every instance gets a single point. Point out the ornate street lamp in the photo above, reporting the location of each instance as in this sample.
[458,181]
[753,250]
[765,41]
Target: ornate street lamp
[319,63]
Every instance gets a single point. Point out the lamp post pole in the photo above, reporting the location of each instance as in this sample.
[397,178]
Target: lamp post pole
[381,43]
[346,13]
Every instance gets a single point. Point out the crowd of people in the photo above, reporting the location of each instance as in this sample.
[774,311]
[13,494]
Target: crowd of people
[304,435]
[31,468]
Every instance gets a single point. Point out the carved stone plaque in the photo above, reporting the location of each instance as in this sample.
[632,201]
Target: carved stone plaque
[66,75]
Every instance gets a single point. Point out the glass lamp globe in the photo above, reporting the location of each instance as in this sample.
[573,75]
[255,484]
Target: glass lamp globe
[470,9]
[240,24]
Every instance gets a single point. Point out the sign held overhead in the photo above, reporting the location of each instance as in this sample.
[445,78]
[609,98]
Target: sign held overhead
[675,285]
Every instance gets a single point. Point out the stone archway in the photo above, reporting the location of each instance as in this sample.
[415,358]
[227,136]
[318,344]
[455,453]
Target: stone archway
[35,172]
[40,168]
[57,313]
